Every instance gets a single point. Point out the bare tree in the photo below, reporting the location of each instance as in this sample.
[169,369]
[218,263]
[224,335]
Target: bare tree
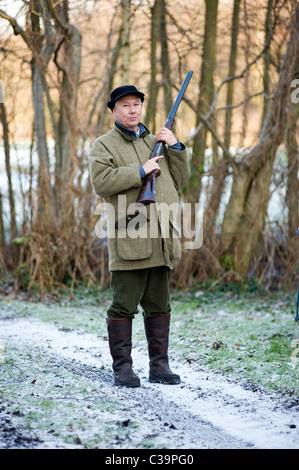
[125,41]
[245,212]
[13,224]
[151,110]
[222,164]
[206,94]
[292,145]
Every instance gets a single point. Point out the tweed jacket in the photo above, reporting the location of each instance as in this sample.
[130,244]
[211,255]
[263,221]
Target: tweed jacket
[114,163]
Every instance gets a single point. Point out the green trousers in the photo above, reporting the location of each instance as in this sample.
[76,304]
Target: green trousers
[148,287]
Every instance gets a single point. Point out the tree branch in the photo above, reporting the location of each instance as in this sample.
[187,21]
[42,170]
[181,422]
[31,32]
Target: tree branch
[16,27]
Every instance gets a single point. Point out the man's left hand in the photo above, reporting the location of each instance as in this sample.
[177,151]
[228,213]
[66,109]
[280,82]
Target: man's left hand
[166,136]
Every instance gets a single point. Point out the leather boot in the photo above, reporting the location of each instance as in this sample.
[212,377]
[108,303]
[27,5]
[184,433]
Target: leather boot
[120,343]
[157,334]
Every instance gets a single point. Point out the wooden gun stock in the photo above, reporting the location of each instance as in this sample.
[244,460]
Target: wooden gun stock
[148,190]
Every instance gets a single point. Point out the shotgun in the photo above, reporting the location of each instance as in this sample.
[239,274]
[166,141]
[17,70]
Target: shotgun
[148,189]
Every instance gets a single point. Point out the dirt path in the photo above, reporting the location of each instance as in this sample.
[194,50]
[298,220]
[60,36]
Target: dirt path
[204,411]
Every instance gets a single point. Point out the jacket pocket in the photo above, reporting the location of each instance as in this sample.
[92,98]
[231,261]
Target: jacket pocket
[129,248]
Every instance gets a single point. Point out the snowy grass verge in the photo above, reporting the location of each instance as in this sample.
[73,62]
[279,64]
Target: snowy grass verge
[247,336]
[67,399]
[243,336]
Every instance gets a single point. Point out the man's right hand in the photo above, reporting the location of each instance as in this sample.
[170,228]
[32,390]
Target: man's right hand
[152,164]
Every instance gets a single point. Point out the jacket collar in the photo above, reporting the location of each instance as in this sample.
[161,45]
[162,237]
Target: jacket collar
[129,134]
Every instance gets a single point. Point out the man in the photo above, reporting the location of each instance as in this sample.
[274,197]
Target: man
[140,267]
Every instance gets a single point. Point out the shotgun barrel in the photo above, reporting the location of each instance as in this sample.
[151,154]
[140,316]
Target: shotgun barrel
[148,189]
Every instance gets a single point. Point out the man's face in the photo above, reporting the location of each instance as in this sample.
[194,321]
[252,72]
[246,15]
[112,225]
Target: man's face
[127,111]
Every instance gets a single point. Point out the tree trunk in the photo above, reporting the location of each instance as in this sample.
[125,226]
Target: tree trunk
[231,72]
[206,93]
[166,77]
[222,165]
[13,224]
[267,59]
[150,118]
[68,62]
[2,229]
[125,41]
[41,54]
[292,144]
[107,86]
[70,67]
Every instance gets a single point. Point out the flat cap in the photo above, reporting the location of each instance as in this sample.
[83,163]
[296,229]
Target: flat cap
[121,91]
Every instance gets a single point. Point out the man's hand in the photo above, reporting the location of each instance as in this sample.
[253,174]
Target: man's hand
[166,136]
[152,164]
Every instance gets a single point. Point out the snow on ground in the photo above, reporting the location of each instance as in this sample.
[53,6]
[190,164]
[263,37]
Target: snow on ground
[207,410]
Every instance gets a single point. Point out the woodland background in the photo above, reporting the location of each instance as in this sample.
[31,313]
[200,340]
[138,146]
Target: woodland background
[59,60]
